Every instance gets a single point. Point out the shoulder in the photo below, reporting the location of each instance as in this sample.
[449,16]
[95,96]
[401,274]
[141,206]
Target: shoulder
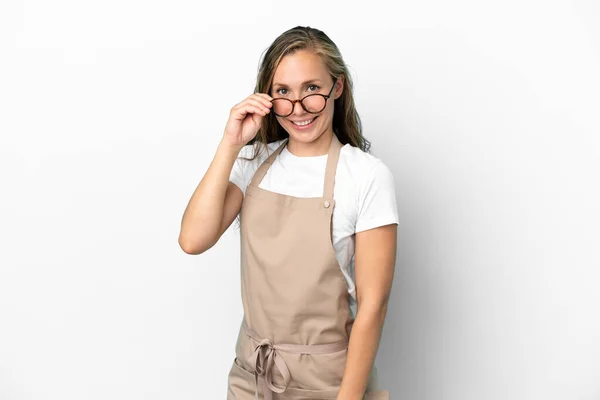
[247,153]
[357,155]
[362,167]
[373,189]
[248,150]
[246,164]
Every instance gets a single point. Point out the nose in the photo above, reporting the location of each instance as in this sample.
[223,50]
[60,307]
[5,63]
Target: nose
[298,110]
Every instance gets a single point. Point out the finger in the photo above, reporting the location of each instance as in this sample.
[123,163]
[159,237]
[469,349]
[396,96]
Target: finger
[243,106]
[240,112]
[263,100]
[258,103]
[265,96]
[256,110]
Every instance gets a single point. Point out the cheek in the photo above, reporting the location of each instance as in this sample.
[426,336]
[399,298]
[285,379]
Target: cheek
[329,109]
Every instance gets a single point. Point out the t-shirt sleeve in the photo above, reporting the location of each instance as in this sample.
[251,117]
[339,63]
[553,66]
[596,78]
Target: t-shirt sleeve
[377,199]
[239,171]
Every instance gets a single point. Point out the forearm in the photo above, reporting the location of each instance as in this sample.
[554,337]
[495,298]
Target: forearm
[362,349]
[202,218]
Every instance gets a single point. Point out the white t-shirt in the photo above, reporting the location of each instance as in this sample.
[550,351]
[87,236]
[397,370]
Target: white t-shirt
[364,193]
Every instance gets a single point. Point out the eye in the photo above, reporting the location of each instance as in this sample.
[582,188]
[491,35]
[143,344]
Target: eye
[278,91]
[315,86]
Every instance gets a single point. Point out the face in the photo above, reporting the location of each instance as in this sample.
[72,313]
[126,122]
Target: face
[298,75]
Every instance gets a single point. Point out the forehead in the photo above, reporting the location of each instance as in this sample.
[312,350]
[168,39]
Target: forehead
[302,65]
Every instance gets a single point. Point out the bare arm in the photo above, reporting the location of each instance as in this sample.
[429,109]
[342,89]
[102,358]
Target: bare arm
[213,206]
[375,259]
[216,201]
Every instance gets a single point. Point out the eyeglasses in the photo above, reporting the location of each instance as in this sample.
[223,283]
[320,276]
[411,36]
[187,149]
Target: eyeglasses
[313,103]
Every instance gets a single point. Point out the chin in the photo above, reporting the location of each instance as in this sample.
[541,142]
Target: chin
[305,138]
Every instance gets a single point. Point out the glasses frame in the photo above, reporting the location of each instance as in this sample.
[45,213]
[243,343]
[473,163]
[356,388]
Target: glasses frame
[326,96]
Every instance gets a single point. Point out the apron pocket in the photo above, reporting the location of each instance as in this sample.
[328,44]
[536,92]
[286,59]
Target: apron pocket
[313,372]
[308,394]
[243,381]
[240,383]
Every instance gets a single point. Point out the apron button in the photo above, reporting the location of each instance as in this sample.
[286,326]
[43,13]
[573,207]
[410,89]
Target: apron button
[326,204]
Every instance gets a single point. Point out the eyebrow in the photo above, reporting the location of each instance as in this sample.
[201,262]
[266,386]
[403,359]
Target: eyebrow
[303,83]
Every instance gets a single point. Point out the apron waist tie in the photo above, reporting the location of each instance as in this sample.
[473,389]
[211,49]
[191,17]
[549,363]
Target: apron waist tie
[265,357]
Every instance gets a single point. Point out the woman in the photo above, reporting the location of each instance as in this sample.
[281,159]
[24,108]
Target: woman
[317,258]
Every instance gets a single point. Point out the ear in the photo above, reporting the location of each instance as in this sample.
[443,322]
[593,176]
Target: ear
[339,87]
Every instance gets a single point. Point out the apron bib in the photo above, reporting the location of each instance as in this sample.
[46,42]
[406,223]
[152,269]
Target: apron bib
[293,339]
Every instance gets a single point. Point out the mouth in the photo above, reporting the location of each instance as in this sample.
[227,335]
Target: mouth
[304,124]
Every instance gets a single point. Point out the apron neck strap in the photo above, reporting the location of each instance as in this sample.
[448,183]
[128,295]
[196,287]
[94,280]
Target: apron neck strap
[332,161]
[262,169]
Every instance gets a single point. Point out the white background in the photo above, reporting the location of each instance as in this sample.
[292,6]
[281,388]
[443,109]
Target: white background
[486,112]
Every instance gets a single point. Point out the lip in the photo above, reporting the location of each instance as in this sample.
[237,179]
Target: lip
[301,128]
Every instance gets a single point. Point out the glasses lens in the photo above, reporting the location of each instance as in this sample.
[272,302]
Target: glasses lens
[282,107]
[314,103]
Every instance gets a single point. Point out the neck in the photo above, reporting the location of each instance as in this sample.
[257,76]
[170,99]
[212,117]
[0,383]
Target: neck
[317,147]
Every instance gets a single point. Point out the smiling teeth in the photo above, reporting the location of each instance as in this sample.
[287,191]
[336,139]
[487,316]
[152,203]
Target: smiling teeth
[303,123]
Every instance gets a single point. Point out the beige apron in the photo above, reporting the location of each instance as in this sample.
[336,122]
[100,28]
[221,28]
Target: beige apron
[293,339]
